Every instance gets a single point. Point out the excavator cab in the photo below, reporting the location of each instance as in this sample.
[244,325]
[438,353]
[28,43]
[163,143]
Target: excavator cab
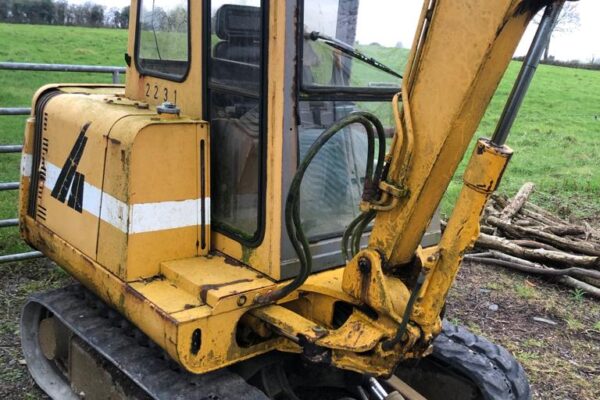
[227,71]
[258,203]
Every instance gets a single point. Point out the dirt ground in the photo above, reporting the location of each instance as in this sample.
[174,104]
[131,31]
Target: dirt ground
[561,359]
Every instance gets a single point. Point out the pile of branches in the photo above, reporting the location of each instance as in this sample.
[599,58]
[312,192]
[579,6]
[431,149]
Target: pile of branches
[519,235]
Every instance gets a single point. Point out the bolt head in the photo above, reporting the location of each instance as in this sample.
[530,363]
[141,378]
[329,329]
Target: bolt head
[364,264]
[167,108]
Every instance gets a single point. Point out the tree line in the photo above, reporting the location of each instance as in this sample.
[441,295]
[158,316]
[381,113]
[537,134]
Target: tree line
[60,12]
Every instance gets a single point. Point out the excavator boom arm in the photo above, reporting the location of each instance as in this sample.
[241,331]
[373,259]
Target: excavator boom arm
[460,53]
[459,57]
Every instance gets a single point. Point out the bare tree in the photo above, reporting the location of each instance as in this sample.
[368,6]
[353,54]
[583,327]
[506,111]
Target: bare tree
[567,21]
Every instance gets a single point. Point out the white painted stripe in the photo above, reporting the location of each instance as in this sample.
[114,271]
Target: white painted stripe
[206,210]
[138,218]
[114,212]
[151,217]
[52,173]
[26,164]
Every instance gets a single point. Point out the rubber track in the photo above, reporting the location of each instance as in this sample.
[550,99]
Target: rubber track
[129,350]
[492,368]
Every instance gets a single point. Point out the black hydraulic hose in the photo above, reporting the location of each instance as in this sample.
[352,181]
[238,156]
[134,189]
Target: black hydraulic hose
[354,231]
[372,181]
[390,343]
[293,221]
[348,233]
[359,230]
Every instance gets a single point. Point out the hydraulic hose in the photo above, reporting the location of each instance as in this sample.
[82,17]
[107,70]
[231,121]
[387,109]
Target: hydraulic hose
[293,221]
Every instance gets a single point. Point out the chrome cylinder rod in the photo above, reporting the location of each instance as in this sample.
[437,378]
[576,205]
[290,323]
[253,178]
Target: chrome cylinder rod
[530,63]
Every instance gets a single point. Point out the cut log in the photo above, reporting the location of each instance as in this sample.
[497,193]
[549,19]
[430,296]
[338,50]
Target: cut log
[502,256]
[490,210]
[573,271]
[539,218]
[545,213]
[532,244]
[485,254]
[497,243]
[530,270]
[499,200]
[487,229]
[577,284]
[590,281]
[548,238]
[517,202]
[565,230]
[525,222]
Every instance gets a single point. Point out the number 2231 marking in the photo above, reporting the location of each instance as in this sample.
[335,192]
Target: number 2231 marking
[156,93]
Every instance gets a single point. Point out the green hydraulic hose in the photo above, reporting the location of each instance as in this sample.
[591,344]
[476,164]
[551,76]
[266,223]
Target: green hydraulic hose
[293,221]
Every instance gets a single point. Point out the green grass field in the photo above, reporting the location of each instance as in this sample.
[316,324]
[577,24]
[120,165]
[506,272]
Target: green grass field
[556,139]
[44,44]
[556,136]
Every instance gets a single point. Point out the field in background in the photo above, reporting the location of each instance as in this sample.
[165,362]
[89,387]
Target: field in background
[44,44]
[556,139]
[556,136]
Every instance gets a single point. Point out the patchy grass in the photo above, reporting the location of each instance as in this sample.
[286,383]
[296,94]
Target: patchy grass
[17,281]
[525,291]
[578,294]
[561,360]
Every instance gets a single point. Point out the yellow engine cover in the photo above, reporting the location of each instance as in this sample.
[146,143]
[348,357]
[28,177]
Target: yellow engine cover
[127,187]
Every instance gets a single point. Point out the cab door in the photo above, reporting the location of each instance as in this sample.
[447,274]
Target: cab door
[235,107]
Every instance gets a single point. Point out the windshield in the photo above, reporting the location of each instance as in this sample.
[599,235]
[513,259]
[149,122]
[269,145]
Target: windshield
[327,66]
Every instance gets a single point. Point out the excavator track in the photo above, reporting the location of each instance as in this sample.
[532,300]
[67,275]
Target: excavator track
[135,368]
[147,369]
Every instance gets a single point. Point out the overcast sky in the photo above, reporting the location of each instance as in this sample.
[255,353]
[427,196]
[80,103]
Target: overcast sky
[391,21]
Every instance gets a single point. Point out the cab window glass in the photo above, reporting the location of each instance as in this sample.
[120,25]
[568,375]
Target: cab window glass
[349,64]
[333,183]
[335,55]
[235,108]
[163,38]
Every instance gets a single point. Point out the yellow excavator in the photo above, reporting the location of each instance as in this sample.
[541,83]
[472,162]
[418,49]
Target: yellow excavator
[239,221]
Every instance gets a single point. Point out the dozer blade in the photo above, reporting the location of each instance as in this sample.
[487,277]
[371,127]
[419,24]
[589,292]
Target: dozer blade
[76,346]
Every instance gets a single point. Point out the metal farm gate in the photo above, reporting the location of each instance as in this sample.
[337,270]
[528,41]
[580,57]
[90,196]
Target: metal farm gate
[17,148]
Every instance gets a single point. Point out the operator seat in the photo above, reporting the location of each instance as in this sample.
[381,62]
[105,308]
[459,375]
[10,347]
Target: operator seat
[236,57]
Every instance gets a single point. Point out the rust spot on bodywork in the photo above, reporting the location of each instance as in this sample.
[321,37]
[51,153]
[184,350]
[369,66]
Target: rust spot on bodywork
[205,288]
[154,278]
[232,261]
[134,293]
